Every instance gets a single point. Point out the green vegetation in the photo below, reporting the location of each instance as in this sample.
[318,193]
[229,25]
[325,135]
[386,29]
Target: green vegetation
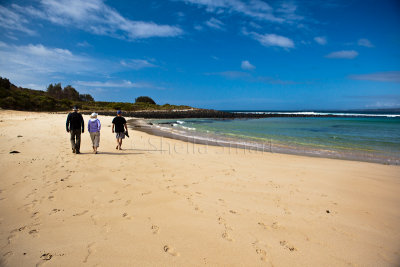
[57,98]
[145,99]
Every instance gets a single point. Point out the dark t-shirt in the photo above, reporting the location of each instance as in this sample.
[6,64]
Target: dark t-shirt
[75,121]
[119,124]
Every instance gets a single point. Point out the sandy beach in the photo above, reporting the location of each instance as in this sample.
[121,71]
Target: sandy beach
[165,202]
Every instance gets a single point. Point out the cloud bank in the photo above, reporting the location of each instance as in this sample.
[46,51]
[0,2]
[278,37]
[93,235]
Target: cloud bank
[389,76]
[93,16]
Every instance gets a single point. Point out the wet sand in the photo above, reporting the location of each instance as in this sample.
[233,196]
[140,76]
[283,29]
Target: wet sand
[167,202]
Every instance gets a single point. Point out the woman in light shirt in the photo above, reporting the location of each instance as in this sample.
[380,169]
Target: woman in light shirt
[94,127]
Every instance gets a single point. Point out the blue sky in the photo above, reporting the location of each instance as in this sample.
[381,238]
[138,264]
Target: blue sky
[222,54]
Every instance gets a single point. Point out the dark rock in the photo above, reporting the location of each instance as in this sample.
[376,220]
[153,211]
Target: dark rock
[327,211]
[46,256]
[14,152]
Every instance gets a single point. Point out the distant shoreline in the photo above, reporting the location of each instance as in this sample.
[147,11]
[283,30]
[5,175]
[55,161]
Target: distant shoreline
[211,114]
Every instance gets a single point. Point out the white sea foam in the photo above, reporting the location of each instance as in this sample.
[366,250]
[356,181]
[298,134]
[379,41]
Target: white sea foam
[321,114]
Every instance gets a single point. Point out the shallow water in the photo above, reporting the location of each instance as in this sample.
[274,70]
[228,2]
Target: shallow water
[375,139]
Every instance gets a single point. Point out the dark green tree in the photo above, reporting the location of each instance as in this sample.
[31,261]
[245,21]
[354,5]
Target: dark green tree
[70,93]
[4,83]
[145,99]
[55,91]
[86,98]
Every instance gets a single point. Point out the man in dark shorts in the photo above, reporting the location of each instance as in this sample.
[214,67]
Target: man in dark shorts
[120,128]
[74,126]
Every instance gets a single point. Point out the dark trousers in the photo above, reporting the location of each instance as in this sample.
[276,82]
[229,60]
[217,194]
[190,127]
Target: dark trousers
[76,139]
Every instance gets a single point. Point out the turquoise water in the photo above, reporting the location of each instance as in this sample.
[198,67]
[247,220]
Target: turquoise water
[374,139]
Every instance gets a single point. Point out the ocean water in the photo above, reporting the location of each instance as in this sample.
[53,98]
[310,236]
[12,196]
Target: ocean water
[365,137]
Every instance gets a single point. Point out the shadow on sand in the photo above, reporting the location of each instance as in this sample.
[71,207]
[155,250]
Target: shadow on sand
[110,153]
[117,153]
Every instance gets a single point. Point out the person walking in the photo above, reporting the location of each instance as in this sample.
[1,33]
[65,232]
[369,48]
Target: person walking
[119,123]
[74,126]
[94,127]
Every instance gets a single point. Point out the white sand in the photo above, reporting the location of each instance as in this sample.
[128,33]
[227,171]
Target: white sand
[186,205]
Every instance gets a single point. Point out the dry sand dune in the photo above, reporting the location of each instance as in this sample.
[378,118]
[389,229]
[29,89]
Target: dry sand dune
[163,202]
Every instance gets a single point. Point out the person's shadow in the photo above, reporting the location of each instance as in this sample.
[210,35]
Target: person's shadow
[117,153]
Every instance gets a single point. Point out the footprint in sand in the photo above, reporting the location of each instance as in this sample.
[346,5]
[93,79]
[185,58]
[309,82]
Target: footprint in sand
[81,213]
[125,215]
[44,258]
[288,246]
[10,238]
[170,251]
[90,250]
[155,229]
[262,253]
[226,236]
[34,232]
[263,225]
[275,225]
[13,234]
[95,219]
[5,256]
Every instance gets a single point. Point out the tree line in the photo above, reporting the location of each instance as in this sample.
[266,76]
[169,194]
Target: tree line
[68,92]
[56,98]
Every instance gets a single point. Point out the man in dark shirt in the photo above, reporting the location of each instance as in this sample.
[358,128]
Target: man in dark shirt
[74,126]
[119,123]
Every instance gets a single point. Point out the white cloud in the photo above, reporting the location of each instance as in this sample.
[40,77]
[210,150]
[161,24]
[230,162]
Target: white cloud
[38,64]
[40,59]
[388,104]
[96,17]
[84,44]
[288,12]
[246,65]
[13,21]
[347,54]
[35,64]
[215,24]
[365,42]
[320,40]
[272,40]
[198,27]
[117,84]
[137,64]
[231,74]
[389,76]
[255,8]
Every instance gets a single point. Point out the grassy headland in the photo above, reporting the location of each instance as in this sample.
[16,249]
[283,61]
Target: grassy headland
[62,99]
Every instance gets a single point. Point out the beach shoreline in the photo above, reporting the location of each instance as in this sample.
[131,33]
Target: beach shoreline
[162,201]
[168,130]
